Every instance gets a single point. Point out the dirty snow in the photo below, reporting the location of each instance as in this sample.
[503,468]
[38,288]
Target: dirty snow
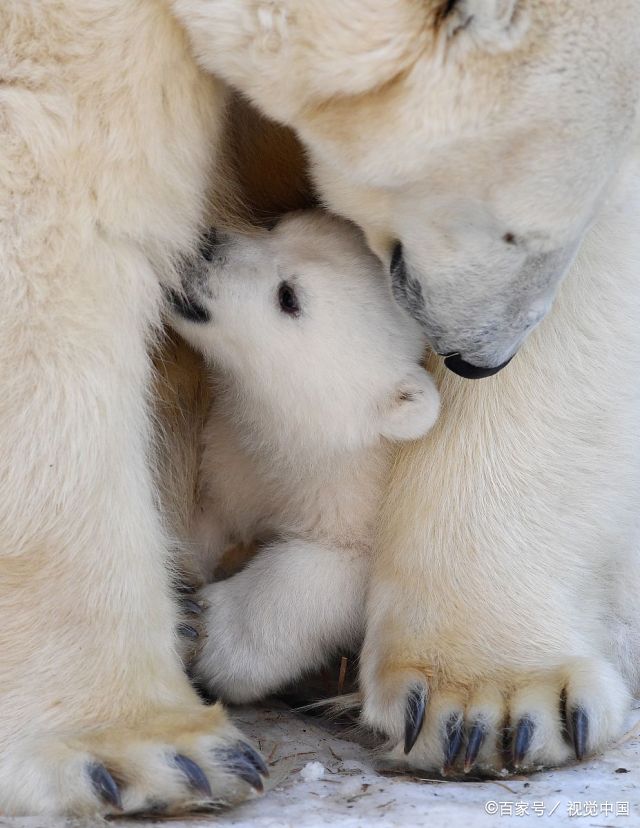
[322,777]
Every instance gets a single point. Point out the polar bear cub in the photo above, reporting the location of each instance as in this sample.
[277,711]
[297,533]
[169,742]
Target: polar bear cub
[317,372]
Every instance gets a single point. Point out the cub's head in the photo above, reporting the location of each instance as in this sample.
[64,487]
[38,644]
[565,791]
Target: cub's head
[472,140]
[301,325]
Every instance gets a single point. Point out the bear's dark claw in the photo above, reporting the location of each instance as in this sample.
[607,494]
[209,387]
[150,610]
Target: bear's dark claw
[188,631]
[579,731]
[414,716]
[475,739]
[453,733]
[104,785]
[191,607]
[243,761]
[195,775]
[522,740]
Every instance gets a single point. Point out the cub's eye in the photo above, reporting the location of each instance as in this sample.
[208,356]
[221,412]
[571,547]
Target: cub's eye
[287,299]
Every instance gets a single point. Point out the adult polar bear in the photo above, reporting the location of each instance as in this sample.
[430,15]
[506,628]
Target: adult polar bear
[107,138]
[485,142]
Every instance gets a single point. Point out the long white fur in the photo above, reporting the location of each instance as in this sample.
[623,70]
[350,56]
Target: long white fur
[294,448]
[107,141]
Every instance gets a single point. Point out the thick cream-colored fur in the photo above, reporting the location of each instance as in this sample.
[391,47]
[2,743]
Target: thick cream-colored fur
[298,444]
[498,143]
[107,140]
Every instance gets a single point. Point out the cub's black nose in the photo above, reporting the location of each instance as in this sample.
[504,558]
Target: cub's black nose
[208,244]
[187,307]
[462,368]
[396,258]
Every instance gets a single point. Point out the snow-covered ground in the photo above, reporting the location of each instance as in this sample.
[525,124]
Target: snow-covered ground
[321,777]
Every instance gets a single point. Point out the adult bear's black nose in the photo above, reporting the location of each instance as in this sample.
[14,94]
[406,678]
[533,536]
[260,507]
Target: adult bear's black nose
[462,368]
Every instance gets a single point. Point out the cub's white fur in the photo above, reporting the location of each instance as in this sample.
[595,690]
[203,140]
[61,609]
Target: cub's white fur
[108,132]
[297,444]
[498,143]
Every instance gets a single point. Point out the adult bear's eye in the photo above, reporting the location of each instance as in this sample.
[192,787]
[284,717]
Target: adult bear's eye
[287,299]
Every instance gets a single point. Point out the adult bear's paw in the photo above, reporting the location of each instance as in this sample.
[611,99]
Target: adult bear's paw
[437,722]
[176,762]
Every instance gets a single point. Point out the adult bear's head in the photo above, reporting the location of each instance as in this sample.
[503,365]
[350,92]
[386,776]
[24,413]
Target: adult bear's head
[472,140]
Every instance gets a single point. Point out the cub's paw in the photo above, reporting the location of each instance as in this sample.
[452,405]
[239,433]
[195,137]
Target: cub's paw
[177,762]
[525,721]
[239,658]
[191,631]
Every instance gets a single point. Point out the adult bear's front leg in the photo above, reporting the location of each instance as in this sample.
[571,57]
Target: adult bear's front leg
[502,598]
[96,714]
[485,619]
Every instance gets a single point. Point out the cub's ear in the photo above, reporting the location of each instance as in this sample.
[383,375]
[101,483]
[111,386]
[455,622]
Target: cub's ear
[490,23]
[413,409]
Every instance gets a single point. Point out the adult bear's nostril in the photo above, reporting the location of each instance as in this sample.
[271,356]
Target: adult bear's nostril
[462,368]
